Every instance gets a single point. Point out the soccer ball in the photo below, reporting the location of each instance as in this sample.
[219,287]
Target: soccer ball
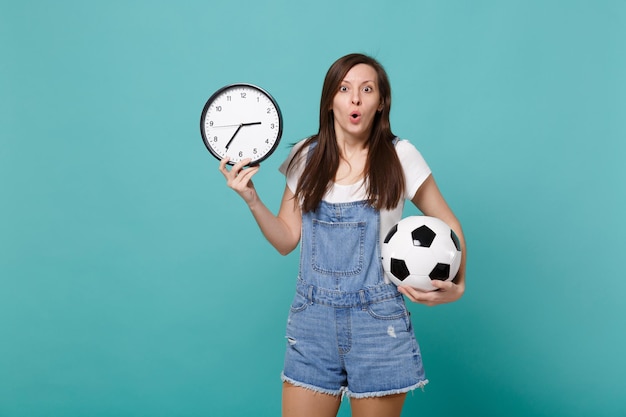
[419,249]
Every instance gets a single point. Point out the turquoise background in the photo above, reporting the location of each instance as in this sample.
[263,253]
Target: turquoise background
[133,282]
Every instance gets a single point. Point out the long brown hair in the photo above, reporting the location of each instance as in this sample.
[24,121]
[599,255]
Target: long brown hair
[384,174]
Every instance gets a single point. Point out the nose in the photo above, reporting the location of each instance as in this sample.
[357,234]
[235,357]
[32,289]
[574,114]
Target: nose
[356,98]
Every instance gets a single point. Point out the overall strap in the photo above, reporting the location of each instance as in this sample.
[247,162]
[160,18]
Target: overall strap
[310,151]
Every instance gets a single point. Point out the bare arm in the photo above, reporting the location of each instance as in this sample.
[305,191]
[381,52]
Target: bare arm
[429,200]
[282,230]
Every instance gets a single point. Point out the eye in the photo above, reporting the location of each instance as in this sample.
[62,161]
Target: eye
[368,89]
[343,88]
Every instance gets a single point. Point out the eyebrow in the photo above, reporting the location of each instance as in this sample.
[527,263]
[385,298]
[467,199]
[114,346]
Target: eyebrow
[364,82]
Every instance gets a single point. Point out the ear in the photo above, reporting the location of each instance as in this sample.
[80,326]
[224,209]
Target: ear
[381,106]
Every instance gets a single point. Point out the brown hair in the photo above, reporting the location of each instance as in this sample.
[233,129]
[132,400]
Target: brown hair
[384,178]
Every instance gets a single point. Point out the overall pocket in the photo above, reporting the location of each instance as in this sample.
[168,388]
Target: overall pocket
[337,247]
[390,310]
[299,303]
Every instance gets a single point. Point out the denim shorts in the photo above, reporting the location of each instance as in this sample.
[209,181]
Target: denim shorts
[360,344]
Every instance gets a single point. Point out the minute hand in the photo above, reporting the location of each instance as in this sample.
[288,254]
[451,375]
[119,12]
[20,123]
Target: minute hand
[238,129]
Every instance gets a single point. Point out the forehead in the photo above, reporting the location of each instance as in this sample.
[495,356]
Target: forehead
[361,73]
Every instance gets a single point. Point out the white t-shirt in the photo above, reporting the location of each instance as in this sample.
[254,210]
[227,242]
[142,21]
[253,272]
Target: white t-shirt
[416,171]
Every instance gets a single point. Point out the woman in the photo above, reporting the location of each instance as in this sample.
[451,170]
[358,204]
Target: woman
[348,330]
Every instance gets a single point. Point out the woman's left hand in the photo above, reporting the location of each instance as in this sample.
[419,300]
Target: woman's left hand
[447,292]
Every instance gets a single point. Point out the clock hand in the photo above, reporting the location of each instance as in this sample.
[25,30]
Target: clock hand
[233,137]
[238,124]
[239,128]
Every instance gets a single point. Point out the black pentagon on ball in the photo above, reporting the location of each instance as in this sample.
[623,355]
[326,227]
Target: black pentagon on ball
[455,239]
[399,269]
[390,234]
[423,236]
[440,272]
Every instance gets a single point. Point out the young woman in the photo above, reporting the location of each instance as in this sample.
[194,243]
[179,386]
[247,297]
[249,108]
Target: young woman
[348,330]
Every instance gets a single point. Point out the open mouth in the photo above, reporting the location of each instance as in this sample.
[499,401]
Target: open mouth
[355,115]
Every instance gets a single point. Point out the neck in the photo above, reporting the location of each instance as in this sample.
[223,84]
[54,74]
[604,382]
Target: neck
[349,146]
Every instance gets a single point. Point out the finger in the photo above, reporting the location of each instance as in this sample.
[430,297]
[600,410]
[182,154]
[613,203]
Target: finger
[411,290]
[239,165]
[443,285]
[427,298]
[413,294]
[407,293]
[243,180]
[231,175]
[244,176]
[223,163]
[234,170]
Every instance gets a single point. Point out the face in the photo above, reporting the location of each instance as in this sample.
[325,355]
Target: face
[356,102]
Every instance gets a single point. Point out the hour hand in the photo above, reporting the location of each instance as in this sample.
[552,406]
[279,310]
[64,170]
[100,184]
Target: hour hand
[239,128]
[233,137]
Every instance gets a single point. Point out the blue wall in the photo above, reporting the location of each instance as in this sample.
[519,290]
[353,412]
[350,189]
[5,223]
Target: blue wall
[134,283]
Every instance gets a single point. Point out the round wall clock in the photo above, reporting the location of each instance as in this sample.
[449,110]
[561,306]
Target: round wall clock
[241,121]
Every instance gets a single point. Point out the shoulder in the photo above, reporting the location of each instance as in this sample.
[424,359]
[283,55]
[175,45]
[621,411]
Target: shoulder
[404,147]
[296,149]
[415,168]
[408,153]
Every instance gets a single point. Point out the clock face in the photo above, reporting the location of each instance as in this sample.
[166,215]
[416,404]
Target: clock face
[241,121]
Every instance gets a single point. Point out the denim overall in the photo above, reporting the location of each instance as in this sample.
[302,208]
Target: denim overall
[348,330]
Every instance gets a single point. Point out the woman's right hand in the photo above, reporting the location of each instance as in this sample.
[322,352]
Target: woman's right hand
[283,230]
[240,179]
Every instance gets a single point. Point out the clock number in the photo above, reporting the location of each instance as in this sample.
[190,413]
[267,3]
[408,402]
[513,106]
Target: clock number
[218,108]
[228,98]
[254,151]
[243,95]
[272,126]
[269,110]
[240,154]
[267,141]
[211,123]
[214,138]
